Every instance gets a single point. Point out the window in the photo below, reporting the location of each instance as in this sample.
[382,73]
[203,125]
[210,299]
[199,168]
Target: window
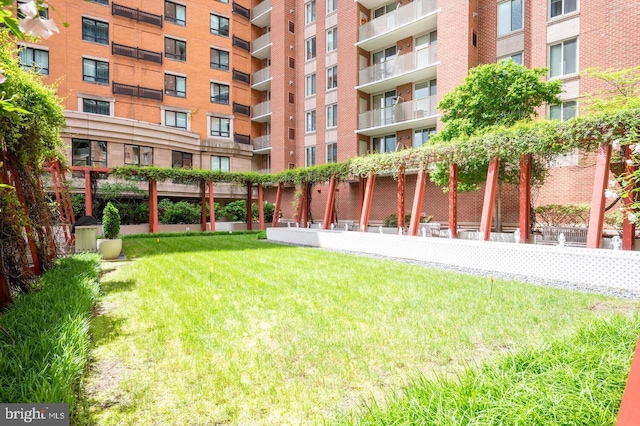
[94,106]
[518,58]
[175,49]
[310,85]
[95,31]
[420,137]
[310,121]
[219,25]
[36,59]
[137,155]
[221,127]
[332,39]
[220,164]
[561,7]
[175,13]
[43,11]
[332,77]
[100,1]
[95,71]
[310,15]
[181,160]
[384,143]
[332,5]
[311,48]
[563,58]
[310,156]
[223,1]
[175,85]
[332,115]
[219,59]
[86,152]
[175,119]
[292,62]
[384,10]
[509,16]
[220,93]
[563,111]
[292,98]
[332,152]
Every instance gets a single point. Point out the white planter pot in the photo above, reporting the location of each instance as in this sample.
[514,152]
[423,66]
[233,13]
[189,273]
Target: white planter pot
[109,249]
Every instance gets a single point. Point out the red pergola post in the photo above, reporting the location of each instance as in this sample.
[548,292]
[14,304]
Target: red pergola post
[368,200]
[19,189]
[276,210]
[596,217]
[212,208]
[628,227]
[88,199]
[489,198]
[361,190]
[629,412]
[525,198]
[453,200]
[249,202]
[261,206]
[47,224]
[203,201]
[5,295]
[66,201]
[331,199]
[401,187]
[153,206]
[418,198]
[305,205]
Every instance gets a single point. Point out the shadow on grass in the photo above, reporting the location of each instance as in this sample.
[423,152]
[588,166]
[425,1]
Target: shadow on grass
[105,327]
[108,287]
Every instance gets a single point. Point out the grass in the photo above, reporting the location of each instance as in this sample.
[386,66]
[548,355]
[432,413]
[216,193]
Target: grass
[45,348]
[200,330]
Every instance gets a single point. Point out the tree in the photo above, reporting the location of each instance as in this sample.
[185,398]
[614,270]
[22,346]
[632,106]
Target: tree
[491,96]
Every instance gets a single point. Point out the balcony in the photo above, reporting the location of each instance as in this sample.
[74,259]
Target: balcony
[136,14]
[261,47]
[262,144]
[262,79]
[372,4]
[406,21]
[261,113]
[136,52]
[137,91]
[404,115]
[404,68]
[261,14]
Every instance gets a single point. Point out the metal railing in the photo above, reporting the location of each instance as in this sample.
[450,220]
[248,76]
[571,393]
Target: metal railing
[137,91]
[262,142]
[401,64]
[136,14]
[397,18]
[261,75]
[136,52]
[403,111]
[261,109]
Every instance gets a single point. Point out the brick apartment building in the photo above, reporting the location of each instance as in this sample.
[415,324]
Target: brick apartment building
[247,85]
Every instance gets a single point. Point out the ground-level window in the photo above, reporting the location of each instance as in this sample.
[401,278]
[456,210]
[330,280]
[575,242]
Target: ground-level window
[137,155]
[181,160]
[220,164]
[310,156]
[85,152]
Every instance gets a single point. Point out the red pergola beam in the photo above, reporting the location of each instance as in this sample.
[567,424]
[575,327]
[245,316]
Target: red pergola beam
[418,198]
[249,202]
[628,227]
[212,213]
[261,206]
[453,200]
[276,210]
[629,412]
[489,198]
[368,200]
[596,217]
[401,188]
[331,199]
[153,206]
[525,197]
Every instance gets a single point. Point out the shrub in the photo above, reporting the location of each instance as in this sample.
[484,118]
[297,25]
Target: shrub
[110,222]
[237,211]
[391,221]
[262,235]
[180,212]
[562,214]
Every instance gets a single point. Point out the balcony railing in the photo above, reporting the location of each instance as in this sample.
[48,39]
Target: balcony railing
[241,76]
[137,91]
[242,109]
[136,14]
[241,43]
[241,10]
[260,43]
[399,17]
[262,142]
[243,139]
[136,52]
[261,109]
[260,10]
[261,76]
[401,64]
[403,111]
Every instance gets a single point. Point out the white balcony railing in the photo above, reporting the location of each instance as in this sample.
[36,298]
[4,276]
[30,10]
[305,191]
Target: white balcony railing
[403,111]
[260,9]
[401,64]
[261,76]
[262,142]
[399,17]
[260,43]
[261,109]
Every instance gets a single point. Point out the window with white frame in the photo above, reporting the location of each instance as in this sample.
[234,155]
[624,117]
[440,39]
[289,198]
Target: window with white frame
[332,5]
[509,16]
[332,152]
[136,155]
[175,13]
[95,31]
[332,115]
[175,85]
[221,127]
[562,7]
[220,164]
[310,121]
[95,71]
[518,58]
[421,136]
[383,143]
[310,85]
[310,12]
[332,77]
[332,39]
[311,48]
[95,106]
[563,111]
[220,93]
[175,119]
[310,156]
[36,59]
[563,58]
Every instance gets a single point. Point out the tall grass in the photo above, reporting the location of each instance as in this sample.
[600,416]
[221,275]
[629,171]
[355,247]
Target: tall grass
[46,345]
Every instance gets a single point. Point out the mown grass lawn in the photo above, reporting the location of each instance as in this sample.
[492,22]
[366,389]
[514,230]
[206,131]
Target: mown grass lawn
[232,330]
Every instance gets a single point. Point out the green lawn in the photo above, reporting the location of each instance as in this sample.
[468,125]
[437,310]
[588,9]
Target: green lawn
[229,329]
